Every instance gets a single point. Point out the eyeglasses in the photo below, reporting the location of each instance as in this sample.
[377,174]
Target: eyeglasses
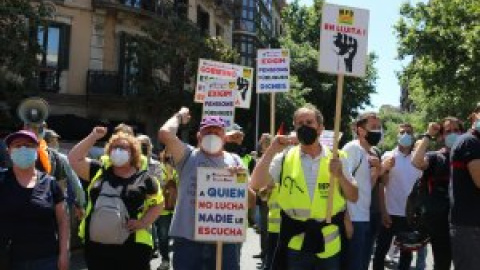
[121,146]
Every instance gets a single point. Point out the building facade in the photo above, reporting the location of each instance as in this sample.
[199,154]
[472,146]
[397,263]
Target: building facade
[87,61]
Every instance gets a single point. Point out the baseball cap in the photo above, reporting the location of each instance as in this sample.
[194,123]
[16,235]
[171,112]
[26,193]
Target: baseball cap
[212,121]
[235,128]
[21,134]
[50,133]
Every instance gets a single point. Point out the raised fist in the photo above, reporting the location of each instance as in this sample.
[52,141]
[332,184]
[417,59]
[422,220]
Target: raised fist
[99,132]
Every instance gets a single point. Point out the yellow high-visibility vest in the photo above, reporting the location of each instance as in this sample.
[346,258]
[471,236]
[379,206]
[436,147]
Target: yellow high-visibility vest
[143,236]
[295,201]
[274,217]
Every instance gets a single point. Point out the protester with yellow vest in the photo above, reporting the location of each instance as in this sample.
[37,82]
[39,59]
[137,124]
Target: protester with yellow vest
[123,202]
[303,172]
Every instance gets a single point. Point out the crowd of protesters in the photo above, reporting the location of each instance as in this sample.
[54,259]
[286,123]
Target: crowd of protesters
[134,205]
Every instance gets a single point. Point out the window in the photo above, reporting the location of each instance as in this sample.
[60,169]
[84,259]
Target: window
[219,30]
[129,66]
[203,20]
[54,42]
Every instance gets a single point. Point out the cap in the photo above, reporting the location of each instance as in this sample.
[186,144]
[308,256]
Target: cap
[50,133]
[21,134]
[235,128]
[212,121]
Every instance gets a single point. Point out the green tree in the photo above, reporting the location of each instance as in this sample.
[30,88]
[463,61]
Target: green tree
[441,39]
[391,118]
[17,53]
[302,38]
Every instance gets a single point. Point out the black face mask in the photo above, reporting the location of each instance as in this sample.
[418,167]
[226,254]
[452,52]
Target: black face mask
[233,148]
[373,137]
[306,135]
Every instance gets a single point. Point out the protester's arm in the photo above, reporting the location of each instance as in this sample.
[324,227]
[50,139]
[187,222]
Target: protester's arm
[78,155]
[388,162]
[167,134]
[474,170]
[252,198]
[154,204]
[340,170]
[386,220]
[419,159]
[74,186]
[260,175]
[63,225]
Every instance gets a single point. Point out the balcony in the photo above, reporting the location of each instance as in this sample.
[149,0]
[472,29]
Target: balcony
[163,8]
[101,82]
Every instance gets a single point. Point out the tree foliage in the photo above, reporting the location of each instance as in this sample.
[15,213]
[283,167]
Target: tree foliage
[302,38]
[18,52]
[442,40]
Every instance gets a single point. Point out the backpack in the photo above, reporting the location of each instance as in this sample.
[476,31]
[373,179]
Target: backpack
[108,220]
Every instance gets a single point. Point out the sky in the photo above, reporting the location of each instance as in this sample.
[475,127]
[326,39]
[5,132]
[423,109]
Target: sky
[381,40]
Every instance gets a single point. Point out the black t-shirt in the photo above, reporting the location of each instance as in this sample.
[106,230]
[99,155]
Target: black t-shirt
[435,181]
[137,188]
[28,217]
[466,196]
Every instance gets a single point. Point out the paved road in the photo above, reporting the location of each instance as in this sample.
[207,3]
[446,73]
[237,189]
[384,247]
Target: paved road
[250,248]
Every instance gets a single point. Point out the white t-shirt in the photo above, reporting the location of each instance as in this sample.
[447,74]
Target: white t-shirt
[402,177]
[357,159]
[310,168]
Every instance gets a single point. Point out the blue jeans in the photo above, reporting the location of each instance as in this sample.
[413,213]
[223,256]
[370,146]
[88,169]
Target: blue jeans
[307,261]
[188,255]
[421,263]
[162,225]
[40,264]
[358,253]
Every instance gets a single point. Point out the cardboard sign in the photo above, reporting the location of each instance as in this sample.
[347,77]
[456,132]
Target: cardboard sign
[221,206]
[211,70]
[343,40]
[273,71]
[219,100]
[327,138]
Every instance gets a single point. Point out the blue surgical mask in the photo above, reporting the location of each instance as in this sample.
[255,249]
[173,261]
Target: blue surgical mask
[477,125]
[450,139]
[405,140]
[23,157]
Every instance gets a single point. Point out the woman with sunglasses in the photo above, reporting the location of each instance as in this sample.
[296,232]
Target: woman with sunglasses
[34,226]
[123,202]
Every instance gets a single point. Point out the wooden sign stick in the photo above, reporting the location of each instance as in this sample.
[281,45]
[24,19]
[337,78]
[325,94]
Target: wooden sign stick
[338,116]
[272,114]
[219,256]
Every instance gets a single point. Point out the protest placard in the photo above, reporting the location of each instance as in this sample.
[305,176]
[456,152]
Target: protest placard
[221,206]
[343,40]
[273,71]
[343,51]
[327,138]
[211,70]
[219,100]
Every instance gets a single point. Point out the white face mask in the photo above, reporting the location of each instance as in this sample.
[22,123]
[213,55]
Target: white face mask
[211,144]
[119,157]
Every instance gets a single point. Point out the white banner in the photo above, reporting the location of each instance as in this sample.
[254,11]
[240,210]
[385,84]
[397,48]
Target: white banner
[221,206]
[343,40]
[273,71]
[219,100]
[210,70]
